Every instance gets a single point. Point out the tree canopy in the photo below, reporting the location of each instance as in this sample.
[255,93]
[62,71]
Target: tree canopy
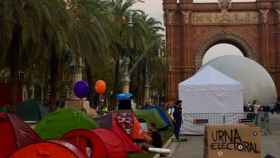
[42,38]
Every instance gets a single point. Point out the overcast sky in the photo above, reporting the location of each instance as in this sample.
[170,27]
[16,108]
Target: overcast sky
[154,9]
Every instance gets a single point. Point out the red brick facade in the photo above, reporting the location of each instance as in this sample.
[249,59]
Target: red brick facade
[192,28]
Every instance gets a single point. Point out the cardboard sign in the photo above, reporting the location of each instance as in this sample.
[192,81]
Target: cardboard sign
[232,141]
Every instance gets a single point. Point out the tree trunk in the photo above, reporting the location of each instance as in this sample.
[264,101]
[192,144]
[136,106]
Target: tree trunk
[89,79]
[116,83]
[138,80]
[14,87]
[147,98]
[13,60]
[126,76]
[53,80]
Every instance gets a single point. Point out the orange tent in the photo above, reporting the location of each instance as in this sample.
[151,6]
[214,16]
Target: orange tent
[52,149]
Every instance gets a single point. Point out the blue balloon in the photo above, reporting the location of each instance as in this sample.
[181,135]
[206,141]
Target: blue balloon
[81,89]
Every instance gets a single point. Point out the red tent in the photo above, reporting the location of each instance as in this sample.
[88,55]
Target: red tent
[109,122]
[98,143]
[52,149]
[14,134]
[6,93]
[130,124]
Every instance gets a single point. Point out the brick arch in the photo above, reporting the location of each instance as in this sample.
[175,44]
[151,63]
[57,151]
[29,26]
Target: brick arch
[192,28]
[229,38]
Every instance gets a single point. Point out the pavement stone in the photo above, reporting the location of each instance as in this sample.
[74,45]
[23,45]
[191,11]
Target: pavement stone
[193,148]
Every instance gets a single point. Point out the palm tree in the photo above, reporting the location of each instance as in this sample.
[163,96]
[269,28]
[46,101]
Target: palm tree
[149,56]
[90,32]
[119,11]
[29,31]
[89,37]
[127,38]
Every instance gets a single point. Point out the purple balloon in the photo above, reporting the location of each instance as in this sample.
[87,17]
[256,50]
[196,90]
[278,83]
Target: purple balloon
[81,89]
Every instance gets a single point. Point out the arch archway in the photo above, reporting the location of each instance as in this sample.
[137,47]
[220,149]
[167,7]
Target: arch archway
[232,39]
[192,28]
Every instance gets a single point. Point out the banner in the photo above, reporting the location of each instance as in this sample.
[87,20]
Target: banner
[232,141]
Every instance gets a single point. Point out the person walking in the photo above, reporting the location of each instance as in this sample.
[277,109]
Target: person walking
[177,116]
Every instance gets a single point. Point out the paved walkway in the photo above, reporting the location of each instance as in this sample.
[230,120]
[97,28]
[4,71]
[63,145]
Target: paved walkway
[193,148]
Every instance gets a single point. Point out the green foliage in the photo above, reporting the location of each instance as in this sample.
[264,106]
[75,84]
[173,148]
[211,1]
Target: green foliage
[100,31]
[35,26]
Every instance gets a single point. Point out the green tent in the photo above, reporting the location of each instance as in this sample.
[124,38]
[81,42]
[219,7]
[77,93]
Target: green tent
[151,116]
[29,110]
[3,109]
[55,124]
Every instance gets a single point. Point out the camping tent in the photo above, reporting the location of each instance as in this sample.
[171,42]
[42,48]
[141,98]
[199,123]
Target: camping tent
[6,93]
[14,134]
[164,116]
[3,109]
[128,122]
[29,110]
[152,116]
[108,121]
[55,124]
[52,149]
[101,143]
[209,91]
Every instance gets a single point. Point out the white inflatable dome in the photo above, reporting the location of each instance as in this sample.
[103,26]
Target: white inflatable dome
[256,81]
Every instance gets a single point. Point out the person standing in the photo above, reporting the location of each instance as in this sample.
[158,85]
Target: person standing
[177,116]
[256,112]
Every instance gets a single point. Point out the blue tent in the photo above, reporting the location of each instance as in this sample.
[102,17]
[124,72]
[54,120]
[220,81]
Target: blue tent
[124,101]
[164,116]
[124,96]
[31,110]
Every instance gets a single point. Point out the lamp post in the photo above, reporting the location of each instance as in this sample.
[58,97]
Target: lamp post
[126,77]
[147,98]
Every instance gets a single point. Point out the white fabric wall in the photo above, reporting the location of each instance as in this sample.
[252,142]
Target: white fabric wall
[216,100]
[210,95]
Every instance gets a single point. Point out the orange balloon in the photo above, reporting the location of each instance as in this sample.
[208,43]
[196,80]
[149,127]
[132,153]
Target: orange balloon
[100,87]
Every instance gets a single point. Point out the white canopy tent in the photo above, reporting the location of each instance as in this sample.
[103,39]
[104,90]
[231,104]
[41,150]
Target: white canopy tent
[209,95]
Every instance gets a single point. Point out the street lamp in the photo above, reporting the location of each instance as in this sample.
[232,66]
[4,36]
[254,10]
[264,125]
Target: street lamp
[126,78]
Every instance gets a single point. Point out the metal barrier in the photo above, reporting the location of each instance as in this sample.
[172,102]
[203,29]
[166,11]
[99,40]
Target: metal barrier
[194,123]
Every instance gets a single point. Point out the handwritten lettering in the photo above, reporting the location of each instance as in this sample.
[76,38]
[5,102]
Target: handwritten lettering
[231,140]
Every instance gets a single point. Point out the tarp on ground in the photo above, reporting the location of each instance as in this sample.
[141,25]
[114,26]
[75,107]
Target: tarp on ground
[55,124]
[29,110]
[14,134]
[167,120]
[151,116]
[52,149]
[102,143]
[109,122]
